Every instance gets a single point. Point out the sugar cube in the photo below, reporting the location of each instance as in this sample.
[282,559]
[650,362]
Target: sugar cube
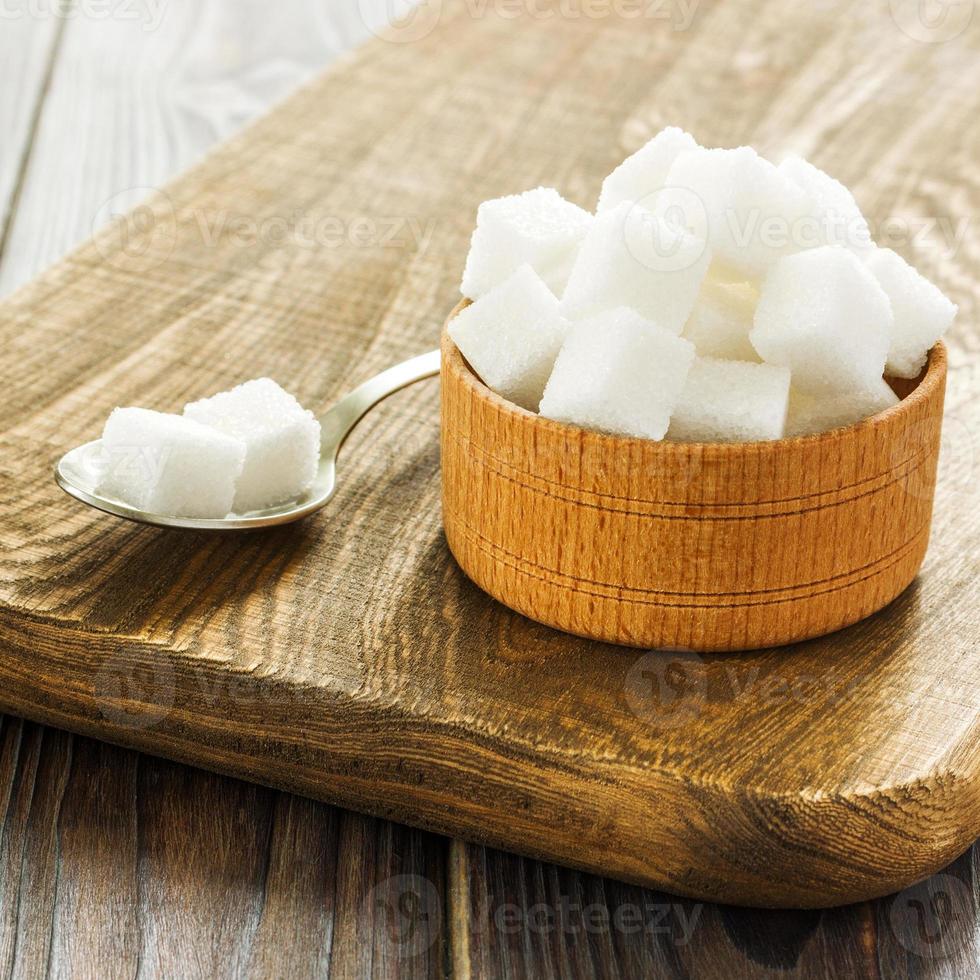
[618,373]
[731,401]
[168,464]
[645,172]
[539,228]
[282,441]
[922,313]
[632,258]
[834,217]
[812,412]
[511,337]
[746,208]
[722,317]
[823,315]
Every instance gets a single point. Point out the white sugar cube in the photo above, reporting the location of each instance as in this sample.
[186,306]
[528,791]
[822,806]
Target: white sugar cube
[812,412]
[632,258]
[539,228]
[744,206]
[618,373]
[834,217]
[645,172]
[823,315]
[722,317]
[922,313]
[167,464]
[281,438]
[511,337]
[731,401]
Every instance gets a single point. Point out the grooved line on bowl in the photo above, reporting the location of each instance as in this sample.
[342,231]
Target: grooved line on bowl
[919,459]
[498,553]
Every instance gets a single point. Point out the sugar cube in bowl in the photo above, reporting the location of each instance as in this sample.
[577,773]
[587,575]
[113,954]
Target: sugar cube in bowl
[922,314]
[538,228]
[642,174]
[748,209]
[618,373]
[511,335]
[834,215]
[722,319]
[731,401]
[635,259]
[809,413]
[822,314]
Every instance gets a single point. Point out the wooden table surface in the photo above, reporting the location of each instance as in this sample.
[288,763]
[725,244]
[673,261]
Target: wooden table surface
[116,864]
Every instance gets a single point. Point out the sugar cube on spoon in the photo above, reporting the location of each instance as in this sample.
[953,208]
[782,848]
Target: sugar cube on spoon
[281,438]
[168,464]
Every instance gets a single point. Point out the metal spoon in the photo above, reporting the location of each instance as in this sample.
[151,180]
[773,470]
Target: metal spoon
[77,472]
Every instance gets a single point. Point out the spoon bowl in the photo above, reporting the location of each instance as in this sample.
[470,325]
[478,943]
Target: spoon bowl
[78,471]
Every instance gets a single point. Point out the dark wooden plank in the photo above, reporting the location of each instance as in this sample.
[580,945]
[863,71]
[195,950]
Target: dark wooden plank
[932,930]
[32,781]
[114,860]
[114,864]
[516,918]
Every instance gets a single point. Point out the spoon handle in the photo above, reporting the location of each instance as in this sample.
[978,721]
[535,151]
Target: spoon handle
[337,422]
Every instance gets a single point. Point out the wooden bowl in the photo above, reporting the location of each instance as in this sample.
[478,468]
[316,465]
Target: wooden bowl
[704,547]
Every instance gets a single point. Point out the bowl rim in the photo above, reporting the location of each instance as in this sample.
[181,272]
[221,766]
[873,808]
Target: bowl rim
[929,380]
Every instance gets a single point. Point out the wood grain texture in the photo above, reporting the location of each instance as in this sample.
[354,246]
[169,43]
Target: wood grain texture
[114,864]
[686,546]
[104,853]
[523,919]
[401,315]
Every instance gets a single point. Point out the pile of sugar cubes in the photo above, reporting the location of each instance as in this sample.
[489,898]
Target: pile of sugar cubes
[239,451]
[712,297]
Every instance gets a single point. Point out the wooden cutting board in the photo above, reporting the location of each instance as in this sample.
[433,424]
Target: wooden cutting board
[347,657]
